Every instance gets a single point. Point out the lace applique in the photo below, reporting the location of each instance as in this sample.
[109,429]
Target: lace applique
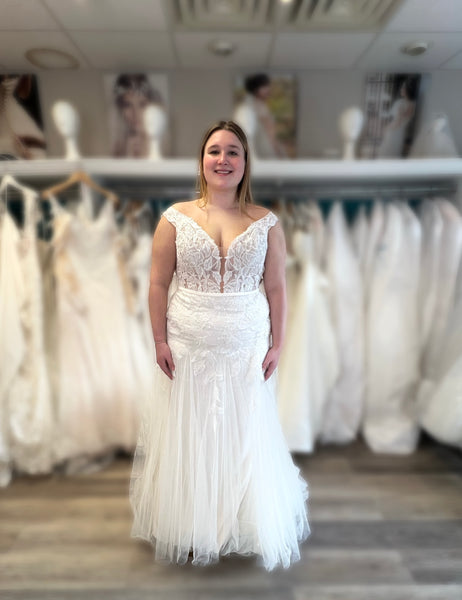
[199,261]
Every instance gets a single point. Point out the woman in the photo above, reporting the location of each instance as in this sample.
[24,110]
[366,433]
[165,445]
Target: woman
[212,473]
[132,95]
[402,112]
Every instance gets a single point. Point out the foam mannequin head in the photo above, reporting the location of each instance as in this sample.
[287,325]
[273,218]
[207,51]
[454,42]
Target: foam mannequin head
[66,118]
[350,123]
[155,120]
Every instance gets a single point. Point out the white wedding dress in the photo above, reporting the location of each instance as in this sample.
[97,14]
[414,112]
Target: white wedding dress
[26,417]
[344,407]
[212,474]
[309,361]
[392,337]
[98,394]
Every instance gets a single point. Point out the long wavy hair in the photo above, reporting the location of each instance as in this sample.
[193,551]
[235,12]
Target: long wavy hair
[244,193]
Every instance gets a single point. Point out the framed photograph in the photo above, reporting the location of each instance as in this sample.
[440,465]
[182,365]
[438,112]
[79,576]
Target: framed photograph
[391,107]
[128,95]
[265,105]
[21,123]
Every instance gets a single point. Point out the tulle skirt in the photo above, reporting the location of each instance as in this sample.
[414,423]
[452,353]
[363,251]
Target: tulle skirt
[212,473]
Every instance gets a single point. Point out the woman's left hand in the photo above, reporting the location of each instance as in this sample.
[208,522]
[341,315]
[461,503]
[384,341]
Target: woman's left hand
[270,362]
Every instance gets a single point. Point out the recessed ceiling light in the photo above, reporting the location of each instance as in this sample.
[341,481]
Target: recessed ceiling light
[49,58]
[221,47]
[415,48]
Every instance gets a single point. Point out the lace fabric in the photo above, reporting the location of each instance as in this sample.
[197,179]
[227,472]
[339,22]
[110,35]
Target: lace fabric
[199,263]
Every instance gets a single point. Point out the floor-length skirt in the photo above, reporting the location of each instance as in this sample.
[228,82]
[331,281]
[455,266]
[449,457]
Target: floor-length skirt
[212,473]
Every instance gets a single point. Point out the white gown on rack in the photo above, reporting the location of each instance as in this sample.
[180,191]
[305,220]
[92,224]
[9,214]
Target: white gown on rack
[344,407]
[309,361]
[26,418]
[359,235]
[390,421]
[97,404]
[440,405]
[441,412]
[450,253]
[432,231]
[212,473]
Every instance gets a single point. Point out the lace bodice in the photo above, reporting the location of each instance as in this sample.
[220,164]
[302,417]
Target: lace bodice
[198,259]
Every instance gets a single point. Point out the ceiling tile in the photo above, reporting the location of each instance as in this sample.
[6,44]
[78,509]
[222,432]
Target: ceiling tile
[127,50]
[385,52]
[319,50]
[251,50]
[453,63]
[24,14]
[14,44]
[109,15]
[427,15]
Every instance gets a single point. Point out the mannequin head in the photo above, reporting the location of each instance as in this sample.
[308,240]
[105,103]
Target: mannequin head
[350,123]
[66,118]
[155,121]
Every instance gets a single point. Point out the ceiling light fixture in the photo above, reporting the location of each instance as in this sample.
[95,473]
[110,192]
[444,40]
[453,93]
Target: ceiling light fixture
[49,58]
[415,48]
[221,47]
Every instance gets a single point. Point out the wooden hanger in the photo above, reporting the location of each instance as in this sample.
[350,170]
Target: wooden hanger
[80,177]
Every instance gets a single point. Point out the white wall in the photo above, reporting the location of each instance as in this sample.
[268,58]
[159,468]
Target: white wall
[198,98]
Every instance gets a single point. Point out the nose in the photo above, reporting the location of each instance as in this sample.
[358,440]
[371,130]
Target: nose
[222,157]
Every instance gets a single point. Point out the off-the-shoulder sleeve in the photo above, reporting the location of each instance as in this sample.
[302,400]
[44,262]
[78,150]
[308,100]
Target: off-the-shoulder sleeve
[172,215]
[272,219]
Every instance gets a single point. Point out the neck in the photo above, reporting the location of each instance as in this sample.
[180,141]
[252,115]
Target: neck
[222,199]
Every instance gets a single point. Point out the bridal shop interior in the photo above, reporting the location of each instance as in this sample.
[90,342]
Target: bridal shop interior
[353,112]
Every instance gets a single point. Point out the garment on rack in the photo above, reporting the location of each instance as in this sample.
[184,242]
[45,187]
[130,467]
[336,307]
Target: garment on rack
[390,420]
[98,395]
[26,418]
[344,407]
[212,473]
[309,361]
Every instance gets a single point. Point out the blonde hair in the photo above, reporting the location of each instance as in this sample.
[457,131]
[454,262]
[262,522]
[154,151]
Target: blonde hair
[244,193]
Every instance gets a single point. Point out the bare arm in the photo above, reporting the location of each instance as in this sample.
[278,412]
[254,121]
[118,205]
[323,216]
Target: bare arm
[274,280]
[162,269]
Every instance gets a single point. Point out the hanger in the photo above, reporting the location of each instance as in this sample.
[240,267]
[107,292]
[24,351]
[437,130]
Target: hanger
[80,177]
[9,180]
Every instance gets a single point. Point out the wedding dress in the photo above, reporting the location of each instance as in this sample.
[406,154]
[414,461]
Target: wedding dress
[97,388]
[390,420]
[344,407]
[309,361]
[212,474]
[26,418]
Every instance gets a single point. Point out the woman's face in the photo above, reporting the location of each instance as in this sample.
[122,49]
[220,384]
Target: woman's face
[132,106]
[224,160]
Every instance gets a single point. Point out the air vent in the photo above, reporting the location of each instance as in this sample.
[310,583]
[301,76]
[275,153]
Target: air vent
[223,14]
[313,15]
[335,15]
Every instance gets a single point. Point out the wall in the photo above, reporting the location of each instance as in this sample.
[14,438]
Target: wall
[197,98]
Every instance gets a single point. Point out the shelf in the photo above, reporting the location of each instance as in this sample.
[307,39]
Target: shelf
[277,171]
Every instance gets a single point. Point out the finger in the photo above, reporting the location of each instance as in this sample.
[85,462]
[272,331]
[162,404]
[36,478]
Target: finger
[269,371]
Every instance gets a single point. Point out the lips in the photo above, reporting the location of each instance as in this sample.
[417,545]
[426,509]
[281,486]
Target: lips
[222,172]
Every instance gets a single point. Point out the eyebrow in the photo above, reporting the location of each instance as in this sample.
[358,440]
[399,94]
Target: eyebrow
[229,146]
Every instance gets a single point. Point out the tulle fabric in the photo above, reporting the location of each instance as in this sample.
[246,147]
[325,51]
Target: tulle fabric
[212,474]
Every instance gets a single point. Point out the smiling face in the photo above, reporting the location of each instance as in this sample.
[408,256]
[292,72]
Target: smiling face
[223,161]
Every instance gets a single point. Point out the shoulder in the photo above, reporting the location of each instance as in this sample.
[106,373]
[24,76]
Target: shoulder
[257,212]
[185,207]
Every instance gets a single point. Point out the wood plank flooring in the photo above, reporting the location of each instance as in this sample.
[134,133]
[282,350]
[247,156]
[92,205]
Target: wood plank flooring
[383,528]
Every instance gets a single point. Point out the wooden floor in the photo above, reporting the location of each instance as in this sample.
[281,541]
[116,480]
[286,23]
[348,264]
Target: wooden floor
[383,528]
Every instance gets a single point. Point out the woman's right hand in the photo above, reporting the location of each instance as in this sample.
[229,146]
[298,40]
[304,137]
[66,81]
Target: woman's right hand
[164,359]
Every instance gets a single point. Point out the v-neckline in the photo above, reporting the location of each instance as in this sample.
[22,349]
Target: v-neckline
[211,238]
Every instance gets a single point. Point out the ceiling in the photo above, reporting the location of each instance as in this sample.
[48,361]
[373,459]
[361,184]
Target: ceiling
[174,34]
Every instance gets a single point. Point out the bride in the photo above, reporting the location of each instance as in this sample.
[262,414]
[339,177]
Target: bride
[212,474]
